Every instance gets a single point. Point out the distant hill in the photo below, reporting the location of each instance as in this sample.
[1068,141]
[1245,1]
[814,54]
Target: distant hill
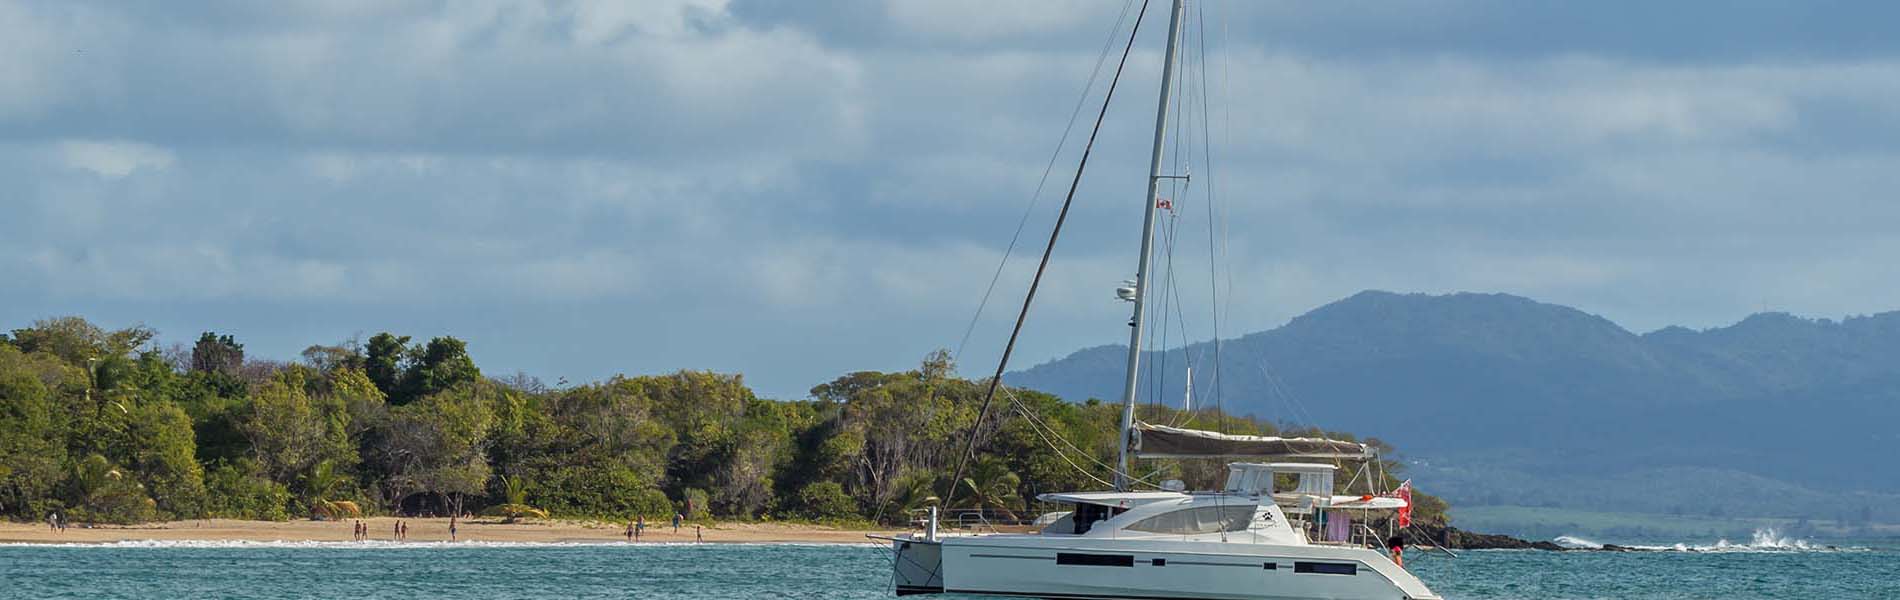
[1514,395]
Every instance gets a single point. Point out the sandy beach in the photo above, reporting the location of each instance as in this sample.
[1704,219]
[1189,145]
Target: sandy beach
[425,530]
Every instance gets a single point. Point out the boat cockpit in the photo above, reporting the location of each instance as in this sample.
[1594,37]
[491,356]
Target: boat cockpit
[1247,508]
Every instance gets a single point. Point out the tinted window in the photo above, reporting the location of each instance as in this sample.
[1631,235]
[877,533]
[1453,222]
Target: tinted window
[1086,515]
[1095,560]
[1326,568]
[1206,519]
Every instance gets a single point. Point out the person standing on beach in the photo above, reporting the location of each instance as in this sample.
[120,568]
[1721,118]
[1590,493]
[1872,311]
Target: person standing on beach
[451,528]
[629,532]
[699,535]
[52,522]
[676,522]
[639,527]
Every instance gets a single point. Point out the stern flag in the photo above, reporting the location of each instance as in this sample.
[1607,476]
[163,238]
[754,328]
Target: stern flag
[1405,512]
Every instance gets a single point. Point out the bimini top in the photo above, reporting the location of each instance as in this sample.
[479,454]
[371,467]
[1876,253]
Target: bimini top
[1115,499]
[1160,441]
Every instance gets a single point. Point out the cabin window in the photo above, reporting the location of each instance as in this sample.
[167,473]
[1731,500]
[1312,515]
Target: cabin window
[1326,568]
[1095,560]
[1086,515]
[1206,519]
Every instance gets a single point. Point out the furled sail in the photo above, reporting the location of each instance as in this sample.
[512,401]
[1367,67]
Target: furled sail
[1160,441]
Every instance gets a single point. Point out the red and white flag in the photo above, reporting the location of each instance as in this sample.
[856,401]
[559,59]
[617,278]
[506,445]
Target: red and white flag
[1405,512]
[1164,203]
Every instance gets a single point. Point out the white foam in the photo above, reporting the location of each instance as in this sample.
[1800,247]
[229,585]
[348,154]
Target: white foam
[1766,539]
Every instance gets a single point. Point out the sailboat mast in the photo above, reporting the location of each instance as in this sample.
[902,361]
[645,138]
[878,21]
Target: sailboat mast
[1122,479]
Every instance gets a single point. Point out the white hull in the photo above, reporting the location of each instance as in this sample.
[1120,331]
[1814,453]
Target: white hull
[1148,569]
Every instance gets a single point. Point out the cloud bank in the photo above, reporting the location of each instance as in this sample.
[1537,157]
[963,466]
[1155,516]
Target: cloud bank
[795,191]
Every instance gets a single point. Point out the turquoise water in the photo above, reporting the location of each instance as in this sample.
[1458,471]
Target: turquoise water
[374,570]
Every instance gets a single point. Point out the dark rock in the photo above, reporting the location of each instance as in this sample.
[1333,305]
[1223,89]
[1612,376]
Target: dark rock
[1459,539]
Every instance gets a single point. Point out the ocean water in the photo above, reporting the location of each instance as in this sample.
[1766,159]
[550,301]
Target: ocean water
[376,570]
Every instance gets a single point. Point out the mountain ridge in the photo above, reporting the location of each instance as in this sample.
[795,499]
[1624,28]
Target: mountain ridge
[1802,400]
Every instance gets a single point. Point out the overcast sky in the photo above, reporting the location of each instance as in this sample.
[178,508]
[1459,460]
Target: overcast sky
[794,190]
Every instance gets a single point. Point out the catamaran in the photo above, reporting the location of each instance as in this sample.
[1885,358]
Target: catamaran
[1246,540]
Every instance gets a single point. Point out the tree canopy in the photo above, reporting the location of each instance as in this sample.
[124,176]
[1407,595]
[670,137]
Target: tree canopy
[103,426]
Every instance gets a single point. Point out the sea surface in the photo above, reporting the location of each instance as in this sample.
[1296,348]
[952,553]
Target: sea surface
[374,570]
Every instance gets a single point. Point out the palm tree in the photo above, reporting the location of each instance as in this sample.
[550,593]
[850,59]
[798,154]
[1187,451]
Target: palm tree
[992,487]
[319,486]
[915,489]
[515,491]
[93,473]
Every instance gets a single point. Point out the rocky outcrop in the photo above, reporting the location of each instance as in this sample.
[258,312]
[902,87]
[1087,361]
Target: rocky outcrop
[1459,539]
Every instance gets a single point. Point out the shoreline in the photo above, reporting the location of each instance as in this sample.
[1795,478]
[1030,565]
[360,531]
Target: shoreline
[432,530]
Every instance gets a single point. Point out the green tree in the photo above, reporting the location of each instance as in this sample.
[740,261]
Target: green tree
[593,450]
[361,400]
[164,455]
[75,340]
[439,444]
[992,487]
[826,500]
[441,365]
[105,494]
[239,490]
[916,489]
[219,354]
[30,451]
[383,361]
[291,432]
[514,501]
[326,359]
[322,488]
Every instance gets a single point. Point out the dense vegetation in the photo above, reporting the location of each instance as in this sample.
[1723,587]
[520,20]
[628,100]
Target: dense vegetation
[105,427]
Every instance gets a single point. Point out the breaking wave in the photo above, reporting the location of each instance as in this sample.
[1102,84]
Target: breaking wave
[1766,539]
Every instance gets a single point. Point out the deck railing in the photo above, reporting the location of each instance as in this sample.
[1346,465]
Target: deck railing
[974,519]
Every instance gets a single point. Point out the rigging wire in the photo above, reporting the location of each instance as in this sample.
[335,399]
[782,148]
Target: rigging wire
[1055,233]
[1214,263]
[1036,197]
[1036,424]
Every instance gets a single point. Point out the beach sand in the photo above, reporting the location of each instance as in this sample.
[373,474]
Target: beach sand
[426,530]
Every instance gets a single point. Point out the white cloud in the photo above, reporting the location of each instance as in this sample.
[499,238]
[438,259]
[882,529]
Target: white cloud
[113,159]
[795,181]
[602,21]
[985,19]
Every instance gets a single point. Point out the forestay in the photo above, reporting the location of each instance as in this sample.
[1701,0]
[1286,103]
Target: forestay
[1161,441]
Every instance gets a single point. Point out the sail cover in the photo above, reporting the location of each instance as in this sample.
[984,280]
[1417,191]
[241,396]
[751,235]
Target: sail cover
[1160,441]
